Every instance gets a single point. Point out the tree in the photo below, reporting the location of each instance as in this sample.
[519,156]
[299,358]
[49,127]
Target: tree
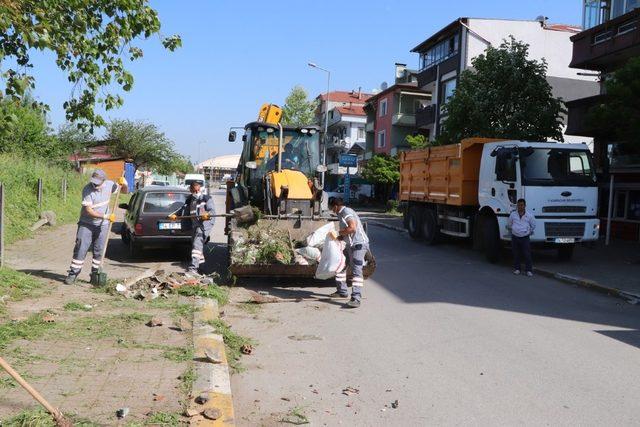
[178,164]
[417,141]
[618,116]
[383,170]
[88,38]
[141,143]
[24,130]
[505,95]
[297,110]
[72,139]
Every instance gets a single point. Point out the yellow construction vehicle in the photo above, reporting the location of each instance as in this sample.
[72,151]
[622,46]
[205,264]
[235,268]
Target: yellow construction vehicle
[278,173]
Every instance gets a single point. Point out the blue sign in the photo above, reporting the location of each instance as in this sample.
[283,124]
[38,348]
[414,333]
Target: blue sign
[347,187]
[348,160]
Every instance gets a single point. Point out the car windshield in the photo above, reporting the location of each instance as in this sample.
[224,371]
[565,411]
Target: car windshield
[556,167]
[163,202]
[300,151]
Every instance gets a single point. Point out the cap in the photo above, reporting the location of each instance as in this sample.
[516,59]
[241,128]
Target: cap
[98,177]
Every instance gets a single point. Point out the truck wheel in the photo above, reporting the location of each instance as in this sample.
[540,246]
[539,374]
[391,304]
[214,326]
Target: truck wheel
[491,239]
[565,252]
[430,229]
[414,223]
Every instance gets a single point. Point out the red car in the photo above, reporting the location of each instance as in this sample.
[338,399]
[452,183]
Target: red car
[146,223]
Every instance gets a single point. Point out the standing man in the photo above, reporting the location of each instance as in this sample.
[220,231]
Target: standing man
[352,232]
[93,225]
[521,223]
[200,206]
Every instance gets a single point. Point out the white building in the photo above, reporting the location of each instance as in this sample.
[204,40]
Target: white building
[445,54]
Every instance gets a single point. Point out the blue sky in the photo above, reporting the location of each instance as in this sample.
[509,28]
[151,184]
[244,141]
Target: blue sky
[238,54]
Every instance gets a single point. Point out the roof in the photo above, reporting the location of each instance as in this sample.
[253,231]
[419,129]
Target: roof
[220,162]
[342,96]
[98,153]
[413,86]
[564,27]
[354,110]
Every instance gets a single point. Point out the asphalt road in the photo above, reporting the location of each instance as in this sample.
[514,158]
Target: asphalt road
[454,340]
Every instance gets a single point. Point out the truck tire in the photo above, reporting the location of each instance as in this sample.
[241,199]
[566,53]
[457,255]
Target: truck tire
[430,230]
[565,252]
[414,223]
[491,239]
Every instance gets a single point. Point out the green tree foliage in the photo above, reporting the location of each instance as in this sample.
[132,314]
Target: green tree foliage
[382,169]
[417,141]
[91,40]
[618,117]
[298,110]
[72,139]
[505,95]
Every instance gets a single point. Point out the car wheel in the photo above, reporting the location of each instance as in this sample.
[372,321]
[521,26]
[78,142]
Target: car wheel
[414,223]
[491,239]
[430,229]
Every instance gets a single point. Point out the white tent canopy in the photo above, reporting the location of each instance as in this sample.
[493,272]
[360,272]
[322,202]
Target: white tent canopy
[229,162]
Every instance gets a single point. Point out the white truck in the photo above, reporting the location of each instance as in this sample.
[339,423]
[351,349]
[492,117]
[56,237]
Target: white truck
[468,190]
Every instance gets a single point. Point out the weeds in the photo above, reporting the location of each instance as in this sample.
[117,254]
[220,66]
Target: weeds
[178,354]
[18,285]
[164,419]
[76,306]
[104,327]
[249,307]
[187,379]
[233,343]
[29,329]
[38,417]
[211,291]
[296,416]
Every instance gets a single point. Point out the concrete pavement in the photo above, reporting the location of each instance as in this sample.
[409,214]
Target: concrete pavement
[454,339]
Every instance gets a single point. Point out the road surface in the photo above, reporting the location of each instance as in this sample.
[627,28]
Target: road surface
[454,340]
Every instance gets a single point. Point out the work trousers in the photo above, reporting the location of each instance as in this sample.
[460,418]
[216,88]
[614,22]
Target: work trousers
[355,259]
[198,241]
[521,252]
[92,237]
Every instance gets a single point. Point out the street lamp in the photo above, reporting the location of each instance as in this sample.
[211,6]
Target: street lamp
[326,115]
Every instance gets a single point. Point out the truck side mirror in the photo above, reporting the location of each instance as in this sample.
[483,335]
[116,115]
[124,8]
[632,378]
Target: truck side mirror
[232,136]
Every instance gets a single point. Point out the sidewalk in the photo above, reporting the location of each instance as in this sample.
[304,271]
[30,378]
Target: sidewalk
[616,266]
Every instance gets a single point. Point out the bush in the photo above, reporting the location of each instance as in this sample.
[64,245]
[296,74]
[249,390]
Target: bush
[20,178]
[392,205]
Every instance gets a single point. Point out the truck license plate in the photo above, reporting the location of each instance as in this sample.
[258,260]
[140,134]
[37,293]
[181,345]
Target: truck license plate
[565,240]
[169,226]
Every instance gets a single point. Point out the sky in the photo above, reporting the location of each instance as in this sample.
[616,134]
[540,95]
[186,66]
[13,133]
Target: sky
[237,55]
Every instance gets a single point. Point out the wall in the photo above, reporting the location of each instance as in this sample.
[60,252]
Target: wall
[113,168]
[384,123]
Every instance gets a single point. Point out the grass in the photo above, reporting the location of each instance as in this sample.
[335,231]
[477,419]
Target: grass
[178,354]
[216,292]
[20,177]
[233,343]
[250,307]
[29,329]
[168,419]
[296,416]
[76,306]
[18,285]
[103,327]
[187,379]
[38,417]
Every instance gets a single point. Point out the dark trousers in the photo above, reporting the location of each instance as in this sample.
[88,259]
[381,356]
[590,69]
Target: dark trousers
[521,250]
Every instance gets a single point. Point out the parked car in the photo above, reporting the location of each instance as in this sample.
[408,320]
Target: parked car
[160,183]
[191,177]
[146,223]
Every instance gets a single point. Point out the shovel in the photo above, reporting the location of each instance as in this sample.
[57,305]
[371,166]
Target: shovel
[243,215]
[99,278]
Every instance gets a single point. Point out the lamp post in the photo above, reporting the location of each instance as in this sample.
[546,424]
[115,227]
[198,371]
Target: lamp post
[326,116]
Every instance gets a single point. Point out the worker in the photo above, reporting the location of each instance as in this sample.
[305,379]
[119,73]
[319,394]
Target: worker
[522,223]
[352,232]
[200,207]
[93,226]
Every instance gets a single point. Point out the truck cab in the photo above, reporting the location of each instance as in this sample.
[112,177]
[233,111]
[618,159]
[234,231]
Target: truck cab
[557,181]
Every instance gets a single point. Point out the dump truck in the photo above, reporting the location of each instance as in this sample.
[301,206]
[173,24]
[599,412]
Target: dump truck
[278,174]
[468,190]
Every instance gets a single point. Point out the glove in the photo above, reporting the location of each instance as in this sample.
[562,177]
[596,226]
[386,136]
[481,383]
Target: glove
[173,217]
[205,216]
[110,217]
[122,181]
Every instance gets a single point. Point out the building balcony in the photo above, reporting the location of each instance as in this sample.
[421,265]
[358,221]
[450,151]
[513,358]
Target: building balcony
[430,75]
[606,46]
[577,116]
[425,117]
[403,119]
[369,127]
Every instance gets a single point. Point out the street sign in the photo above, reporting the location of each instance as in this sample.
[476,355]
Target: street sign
[347,187]
[348,160]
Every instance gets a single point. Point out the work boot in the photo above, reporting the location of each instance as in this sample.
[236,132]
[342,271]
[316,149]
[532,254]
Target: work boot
[71,278]
[338,295]
[353,303]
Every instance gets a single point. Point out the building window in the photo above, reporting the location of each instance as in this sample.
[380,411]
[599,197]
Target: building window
[448,87]
[381,139]
[626,205]
[382,108]
[440,52]
[361,133]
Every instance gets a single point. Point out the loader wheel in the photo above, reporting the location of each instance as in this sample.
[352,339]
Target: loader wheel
[430,229]
[565,252]
[491,239]
[414,223]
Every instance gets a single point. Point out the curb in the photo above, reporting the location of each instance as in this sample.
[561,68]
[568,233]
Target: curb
[387,226]
[564,278]
[212,379]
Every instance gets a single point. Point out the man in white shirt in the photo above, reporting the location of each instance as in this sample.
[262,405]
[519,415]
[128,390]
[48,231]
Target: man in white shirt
[521,223]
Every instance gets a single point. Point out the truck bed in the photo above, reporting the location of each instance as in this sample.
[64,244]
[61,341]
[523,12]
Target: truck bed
[446,174]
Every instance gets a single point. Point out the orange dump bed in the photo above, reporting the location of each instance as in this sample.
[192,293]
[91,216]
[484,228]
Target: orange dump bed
[447,174]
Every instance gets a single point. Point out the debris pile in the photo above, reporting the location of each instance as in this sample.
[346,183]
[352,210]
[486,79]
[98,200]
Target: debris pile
[261,243]
[154,284]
